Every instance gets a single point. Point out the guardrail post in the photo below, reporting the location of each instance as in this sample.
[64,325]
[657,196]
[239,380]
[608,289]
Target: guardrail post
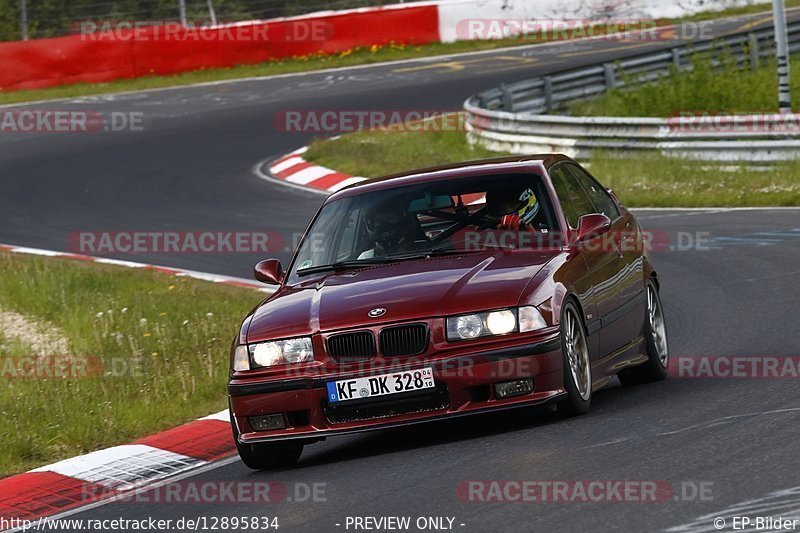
[610,76]
[548,94]
[508,98]
[676,57]
[753,40]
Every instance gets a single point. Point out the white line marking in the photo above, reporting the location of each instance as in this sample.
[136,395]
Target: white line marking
[122,466]
[307,175]
[222,415]
[266,177]
[287,163]
[189,472]
[731,418]
[784,503]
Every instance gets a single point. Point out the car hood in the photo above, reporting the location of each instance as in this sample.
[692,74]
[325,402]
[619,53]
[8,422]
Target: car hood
[408,290]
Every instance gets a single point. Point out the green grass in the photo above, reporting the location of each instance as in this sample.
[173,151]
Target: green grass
[346,58]
[649,180]
[377,152]
[175,332]
[703,89]
[653,180]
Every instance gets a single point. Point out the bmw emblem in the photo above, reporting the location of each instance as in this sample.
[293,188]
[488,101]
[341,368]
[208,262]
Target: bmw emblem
[375,313]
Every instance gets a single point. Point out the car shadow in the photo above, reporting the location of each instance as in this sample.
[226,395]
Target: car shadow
[337,449]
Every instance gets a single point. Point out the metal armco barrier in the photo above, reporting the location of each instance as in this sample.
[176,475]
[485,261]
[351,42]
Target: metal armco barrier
[515,117]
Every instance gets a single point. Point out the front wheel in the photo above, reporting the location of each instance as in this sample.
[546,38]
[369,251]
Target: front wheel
[269,456]
[655,336]
[577,364]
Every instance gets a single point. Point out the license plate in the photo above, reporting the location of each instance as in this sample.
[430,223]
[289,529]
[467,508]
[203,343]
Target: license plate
[382,385]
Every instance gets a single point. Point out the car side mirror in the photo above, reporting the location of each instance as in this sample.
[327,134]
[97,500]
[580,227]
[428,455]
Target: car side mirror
[593,225]
[269,271]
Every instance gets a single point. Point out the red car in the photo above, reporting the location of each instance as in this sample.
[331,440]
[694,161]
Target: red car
[462,289]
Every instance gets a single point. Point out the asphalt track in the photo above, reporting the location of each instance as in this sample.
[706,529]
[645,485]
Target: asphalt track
[734,294]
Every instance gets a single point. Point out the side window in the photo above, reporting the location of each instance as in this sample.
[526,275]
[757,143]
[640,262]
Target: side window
[602,201]
[574,200]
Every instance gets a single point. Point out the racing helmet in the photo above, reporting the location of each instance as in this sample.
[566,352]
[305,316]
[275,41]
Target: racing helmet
[388,227]
[529,206]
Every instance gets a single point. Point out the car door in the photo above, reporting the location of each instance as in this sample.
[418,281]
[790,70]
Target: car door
[602,261]
[623,306]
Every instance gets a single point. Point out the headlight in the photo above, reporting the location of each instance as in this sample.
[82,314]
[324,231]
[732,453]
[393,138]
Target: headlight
[530,319]
[501,322]
[282,352]
[467,327]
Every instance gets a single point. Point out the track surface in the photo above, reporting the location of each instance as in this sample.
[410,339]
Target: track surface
[191,170]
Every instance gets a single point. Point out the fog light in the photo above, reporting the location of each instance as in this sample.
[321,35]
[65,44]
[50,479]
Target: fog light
[517,387]
[267,423]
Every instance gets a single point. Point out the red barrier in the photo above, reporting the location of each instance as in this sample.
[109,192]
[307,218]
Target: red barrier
[135,52]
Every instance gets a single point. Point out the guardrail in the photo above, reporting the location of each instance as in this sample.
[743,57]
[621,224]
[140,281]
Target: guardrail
[513,117]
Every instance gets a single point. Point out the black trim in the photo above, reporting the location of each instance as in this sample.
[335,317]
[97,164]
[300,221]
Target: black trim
[376,427]
[526,350]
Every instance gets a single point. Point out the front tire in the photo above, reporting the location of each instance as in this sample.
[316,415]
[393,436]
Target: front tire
[577,364]
[269,456]
[657,348]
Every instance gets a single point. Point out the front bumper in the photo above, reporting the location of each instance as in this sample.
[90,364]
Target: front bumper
[464,385]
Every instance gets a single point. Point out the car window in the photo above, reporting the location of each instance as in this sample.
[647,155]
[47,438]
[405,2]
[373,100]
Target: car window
[601,200]
[347,238]
[463,214]
[574,200]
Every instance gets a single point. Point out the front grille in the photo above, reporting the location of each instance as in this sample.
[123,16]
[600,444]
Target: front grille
[402,341]
[384,408]
[353,346]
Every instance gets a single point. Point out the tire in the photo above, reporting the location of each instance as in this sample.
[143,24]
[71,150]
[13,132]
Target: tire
[577,364]
[657,348]
[270,456]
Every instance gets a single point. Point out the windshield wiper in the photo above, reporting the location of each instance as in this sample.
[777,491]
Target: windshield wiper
[341,265]
[439,251]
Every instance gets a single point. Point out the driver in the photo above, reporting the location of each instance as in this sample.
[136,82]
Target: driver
[510,208]
[390,229]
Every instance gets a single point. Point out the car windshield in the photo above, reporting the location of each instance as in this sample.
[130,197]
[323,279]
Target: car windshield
[463,215]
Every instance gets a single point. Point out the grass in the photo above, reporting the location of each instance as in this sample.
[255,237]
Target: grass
[653,180]
[724,90]
[163,342]
[649,180]
[346,58]
[373,153]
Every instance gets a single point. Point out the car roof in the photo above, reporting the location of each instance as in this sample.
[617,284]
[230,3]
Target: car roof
[495,165]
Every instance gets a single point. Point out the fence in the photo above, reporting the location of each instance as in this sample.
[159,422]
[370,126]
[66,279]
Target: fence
[513,117]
